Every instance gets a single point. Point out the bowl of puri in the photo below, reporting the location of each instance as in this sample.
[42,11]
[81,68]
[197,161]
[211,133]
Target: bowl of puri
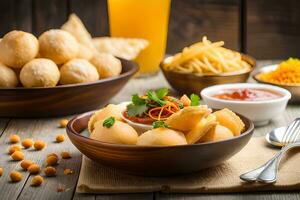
[63,71]
[159,135]
[285,75]
[204,64]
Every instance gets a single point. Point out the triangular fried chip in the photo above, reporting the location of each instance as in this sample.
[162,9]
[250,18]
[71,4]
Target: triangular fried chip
[127,48]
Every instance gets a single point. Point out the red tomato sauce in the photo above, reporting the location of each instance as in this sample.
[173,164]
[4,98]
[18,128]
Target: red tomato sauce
[142,120]
[245,94]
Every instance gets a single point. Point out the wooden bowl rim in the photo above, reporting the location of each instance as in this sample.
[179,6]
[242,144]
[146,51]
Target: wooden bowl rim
[132,69]
[71,132]
[248,57]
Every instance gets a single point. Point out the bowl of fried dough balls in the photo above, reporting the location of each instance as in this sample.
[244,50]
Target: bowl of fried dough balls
[60,72]
[192,138]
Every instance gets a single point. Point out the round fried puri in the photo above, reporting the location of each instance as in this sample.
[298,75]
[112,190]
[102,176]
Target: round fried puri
[39,72]
[110,110]
[107,65]
[78,71]
[229,119]
[161,137]
[8,77]
[118,133]
[18,48]
[58,45]
[217,133]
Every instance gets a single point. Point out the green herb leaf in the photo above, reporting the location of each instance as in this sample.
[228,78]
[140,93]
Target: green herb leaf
[159,124]
[136,100]
[109,122]
[179,103]
[162,92]
[153,96]
[134,110]
[195,100]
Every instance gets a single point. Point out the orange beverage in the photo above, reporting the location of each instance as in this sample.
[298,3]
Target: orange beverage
[146,19]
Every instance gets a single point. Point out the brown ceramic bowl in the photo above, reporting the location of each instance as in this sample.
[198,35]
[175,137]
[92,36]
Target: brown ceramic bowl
[156,160]
[187,83]
[63,99]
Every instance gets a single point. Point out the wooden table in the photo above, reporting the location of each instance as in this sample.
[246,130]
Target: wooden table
[46,129]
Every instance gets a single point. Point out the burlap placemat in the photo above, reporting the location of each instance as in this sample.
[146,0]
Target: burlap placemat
[95,178]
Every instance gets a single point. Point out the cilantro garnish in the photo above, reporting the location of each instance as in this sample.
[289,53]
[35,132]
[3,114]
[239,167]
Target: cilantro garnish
[134,110]
[152,95]
[195,100]
[159,124]
[162,92]
[109,122]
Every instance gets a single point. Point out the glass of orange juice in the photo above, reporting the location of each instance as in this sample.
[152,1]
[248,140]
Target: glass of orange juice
[147,19]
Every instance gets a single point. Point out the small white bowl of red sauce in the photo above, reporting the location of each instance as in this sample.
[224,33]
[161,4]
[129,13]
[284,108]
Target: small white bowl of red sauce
[258,102]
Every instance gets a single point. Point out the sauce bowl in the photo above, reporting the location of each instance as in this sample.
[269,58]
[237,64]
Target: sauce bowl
[260,112]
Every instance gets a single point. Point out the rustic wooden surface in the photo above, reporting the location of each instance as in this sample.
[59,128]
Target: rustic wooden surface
[46,129]
[266,29]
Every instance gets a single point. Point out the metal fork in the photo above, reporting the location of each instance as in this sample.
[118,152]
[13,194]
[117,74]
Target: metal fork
[267,173]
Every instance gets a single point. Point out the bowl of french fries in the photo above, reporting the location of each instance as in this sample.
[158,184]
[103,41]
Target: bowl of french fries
[205,64]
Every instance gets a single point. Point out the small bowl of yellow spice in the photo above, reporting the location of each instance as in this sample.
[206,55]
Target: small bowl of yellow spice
[285,74]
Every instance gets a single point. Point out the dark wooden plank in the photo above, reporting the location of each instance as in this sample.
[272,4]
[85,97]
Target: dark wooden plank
[48,14]
[259,196]
[94,15]
[273,29]
[46,130]
[3,124]
[23,15]
[7,17]
[192,19]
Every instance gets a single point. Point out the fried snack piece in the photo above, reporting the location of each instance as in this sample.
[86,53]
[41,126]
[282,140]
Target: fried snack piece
[118,133]
[127,48]
[33,169]
[106,64]
[217,133]
[58,45]
[18,48]
[187,118]
[84,52]
[39,145]
[15,176]
[51,160]
[201,129]
[18,155]
[63,123]
[59,138]
[27,143]
[1,171]
[229,119]
[50,171]
[65,155]
[14,148]
[40,72]
[8,77]
[75,27]
[78,71]
[14,138]
[110,110]
[37,181]
[162,137]
[26,163]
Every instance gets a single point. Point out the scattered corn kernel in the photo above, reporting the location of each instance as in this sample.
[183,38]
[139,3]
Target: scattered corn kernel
[37,181]
[60,138]
[14,138]
[33,169]
[63,123]
[14,148]
[17,155]
[65,155]
[15,176]
[1,171]
[39,144]
[68,171]
[51,160]
[26,163]
[50,171]
[27,143]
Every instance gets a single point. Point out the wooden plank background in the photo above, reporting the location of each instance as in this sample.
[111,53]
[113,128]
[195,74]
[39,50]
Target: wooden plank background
[266,29]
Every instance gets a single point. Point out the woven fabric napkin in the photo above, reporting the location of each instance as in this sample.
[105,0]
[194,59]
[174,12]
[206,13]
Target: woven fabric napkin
[224,178]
